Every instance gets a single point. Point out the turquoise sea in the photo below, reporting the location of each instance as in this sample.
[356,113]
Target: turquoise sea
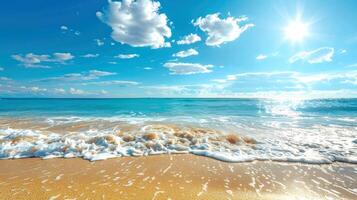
[310,131]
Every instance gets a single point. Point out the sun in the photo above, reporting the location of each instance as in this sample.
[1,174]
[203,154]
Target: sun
[296,31]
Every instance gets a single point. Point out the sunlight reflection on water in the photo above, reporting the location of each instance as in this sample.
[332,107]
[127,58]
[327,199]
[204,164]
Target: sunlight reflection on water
[282,107]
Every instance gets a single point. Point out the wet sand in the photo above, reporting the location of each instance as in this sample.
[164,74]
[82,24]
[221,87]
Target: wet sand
[173,177]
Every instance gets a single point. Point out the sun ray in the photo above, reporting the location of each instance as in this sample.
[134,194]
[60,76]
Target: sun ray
[296,31]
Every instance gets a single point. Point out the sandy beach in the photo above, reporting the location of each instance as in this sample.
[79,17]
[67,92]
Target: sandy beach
[181,176]
[168,157]
[178,100]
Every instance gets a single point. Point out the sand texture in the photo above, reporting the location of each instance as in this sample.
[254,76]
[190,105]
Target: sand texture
[173,177]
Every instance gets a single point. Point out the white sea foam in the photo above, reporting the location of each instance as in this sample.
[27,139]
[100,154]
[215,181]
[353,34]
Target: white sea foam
[275,140]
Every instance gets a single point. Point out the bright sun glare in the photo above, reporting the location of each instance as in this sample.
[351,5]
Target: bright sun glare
[296,31]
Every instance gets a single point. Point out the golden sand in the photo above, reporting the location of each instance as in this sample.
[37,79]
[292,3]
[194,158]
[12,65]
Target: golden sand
[173,177]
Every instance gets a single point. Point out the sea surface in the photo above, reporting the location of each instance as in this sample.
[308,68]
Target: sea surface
[319,131]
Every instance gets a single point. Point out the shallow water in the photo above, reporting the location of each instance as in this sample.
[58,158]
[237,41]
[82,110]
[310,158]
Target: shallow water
[233,130]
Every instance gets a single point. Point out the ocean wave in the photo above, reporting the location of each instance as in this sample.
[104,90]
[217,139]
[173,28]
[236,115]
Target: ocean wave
[99,139]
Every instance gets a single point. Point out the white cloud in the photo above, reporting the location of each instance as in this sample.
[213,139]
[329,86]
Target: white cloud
[60,90]
[183,54]
[89,55]
[99,42]
[189,39]
[283,80]
[38,89]
[62,57]
[219,80]
[31,60]
[55,91]
[265,56]
[76,91]
[320,55]
[114,82]
[137,23]
[187,68]
[127,56]
[273,79]
[167,90]
[194,90]
[65,29]
[252,84]
[92,74]
[261,57]
[217,91]
[13,88]
[97,73]
[147,68]
[221,31]
[31,89]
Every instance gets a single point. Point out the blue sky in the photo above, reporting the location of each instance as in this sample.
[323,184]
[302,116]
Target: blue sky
[185,48]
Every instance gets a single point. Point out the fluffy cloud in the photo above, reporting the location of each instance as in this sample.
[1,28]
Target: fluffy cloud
[219,30]
[127,56]
[115,82]
[90,55]
[183,54]
[62,57]
[189,39]
[261,57]
[320,55]
[137,23]
[31,60]
[187,68]
[92,74]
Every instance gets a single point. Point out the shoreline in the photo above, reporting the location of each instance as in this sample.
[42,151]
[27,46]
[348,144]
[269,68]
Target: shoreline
[97,139]
[282,162]
[173,176]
